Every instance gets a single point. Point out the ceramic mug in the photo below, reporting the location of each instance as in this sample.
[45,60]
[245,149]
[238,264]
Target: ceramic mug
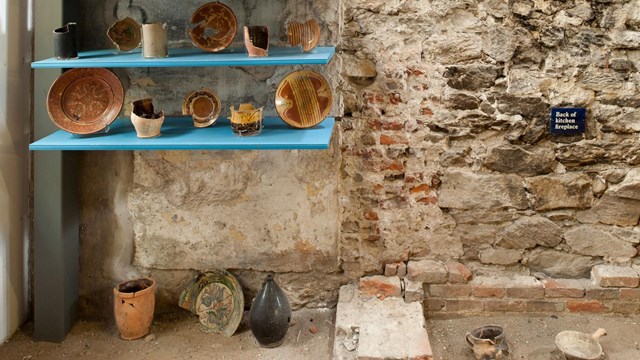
[65,44]
[154,40]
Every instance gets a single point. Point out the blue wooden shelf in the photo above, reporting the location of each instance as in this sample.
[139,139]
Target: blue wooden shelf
[190,58]
[178,133]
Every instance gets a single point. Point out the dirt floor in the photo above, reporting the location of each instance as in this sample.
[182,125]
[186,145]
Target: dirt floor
[179,336]
[533,337]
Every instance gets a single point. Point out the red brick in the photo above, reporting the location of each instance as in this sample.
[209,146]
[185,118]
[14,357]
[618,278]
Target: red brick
[426,111]
[543,306]
[394,125]
[395,98]
[625,307]
[464,305]
[394,166]
[598,293]
[504,305]
[487,291]
[566,288]
[428,200]
[630,294]
[380,286]
[421,188]
[374,124]
[586,306]
[371,215]
[435,304]
[392,140]
[458,273]
[615,276]
[526,292]
[449,291]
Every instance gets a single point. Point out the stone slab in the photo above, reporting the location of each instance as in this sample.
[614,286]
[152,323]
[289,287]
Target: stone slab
[369,328]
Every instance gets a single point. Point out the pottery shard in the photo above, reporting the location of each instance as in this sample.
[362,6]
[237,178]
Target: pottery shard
[599,241]
[509,158]
[629,188]
[559,264]
[527,232]
[561,191]
[612,210]
[471,77]
[462,189]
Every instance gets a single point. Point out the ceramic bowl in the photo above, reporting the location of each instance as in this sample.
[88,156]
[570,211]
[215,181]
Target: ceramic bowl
[203,106]
[125,34]
[306,34]
[213,27]
[146,122]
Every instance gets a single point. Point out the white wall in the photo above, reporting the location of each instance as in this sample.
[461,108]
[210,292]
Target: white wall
[15,95]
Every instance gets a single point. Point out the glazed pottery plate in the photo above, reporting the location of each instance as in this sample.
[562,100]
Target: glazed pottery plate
[303,99]
[85,101]
[213,27]
[216,297]
[125,34]
[204,105]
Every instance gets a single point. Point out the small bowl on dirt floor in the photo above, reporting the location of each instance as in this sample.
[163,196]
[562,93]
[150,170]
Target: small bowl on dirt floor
[580,346]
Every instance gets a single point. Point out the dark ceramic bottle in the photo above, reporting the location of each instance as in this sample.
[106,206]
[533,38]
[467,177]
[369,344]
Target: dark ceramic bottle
[270,314]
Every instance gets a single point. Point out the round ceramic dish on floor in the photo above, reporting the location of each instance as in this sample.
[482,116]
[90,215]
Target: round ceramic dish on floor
[85,101]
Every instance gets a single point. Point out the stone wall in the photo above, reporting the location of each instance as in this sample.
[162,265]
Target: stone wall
[446,151]
[442,152]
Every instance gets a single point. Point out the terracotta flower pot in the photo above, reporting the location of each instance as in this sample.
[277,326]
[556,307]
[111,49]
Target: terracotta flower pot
[133,306]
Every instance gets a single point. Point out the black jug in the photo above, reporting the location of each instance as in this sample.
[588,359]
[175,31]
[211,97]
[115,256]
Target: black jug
[65,42]
[270,314]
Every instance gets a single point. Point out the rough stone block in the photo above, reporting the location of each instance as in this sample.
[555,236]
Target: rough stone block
[504,305]
[544,306]
[612,210]
[586,306]
[413,291]
[560,264]
[530,231]
[467,190]
[560,191]
[564,288]
[450,291]
[380,286]
[499,256]
[391,269]
[458,273]
[466,305]
[589,240]
[427,271]
[615,276]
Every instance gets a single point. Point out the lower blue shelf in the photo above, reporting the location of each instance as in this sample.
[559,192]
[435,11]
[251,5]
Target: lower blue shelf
[178,133]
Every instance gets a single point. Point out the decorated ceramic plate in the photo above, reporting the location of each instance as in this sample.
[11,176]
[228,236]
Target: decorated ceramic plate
[303,99]
[125,34]
[213,26]
[203,106]
[216,297]
[85,101]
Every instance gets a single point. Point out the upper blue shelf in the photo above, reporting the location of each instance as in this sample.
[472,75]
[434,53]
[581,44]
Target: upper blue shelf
[178,133]
[190,58]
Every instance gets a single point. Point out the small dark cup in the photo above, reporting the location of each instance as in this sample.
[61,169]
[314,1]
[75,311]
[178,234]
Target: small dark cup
[65,43]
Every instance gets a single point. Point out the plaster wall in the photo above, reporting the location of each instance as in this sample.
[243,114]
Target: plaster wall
[15,55]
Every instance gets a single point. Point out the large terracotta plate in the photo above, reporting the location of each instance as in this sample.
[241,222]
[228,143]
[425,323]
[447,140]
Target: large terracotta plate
[303,99]
[216,297]
[213,27]
[85,101]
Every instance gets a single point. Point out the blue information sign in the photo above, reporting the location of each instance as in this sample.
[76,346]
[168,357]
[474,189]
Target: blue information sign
[567,121]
